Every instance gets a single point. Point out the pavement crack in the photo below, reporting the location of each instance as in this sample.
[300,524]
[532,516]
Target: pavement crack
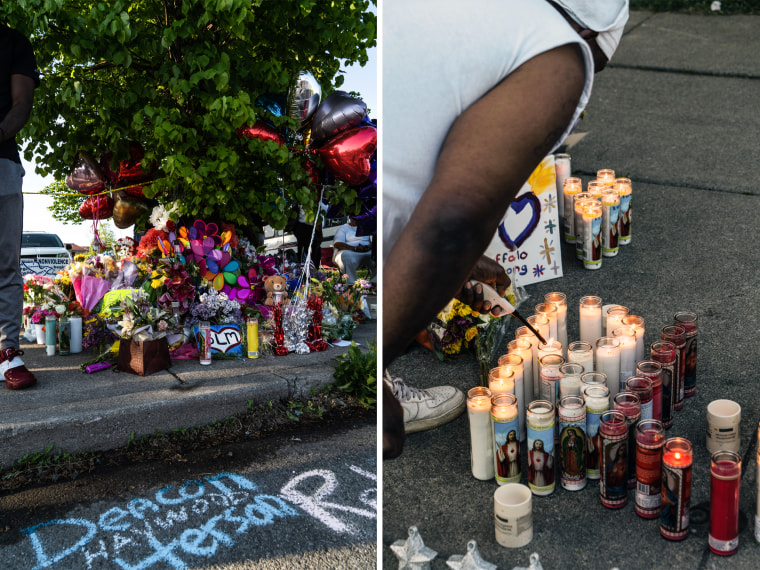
[702,73]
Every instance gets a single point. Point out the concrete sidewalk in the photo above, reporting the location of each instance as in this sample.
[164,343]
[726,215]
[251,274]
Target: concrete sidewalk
[81,412]
[677,111]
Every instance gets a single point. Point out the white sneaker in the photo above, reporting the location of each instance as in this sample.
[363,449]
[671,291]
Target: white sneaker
[426,409]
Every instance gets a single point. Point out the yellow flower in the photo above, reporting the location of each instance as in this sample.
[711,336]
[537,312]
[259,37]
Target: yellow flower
[448,311]
[471,333]
[157,278]
[464,310]
[453,348]
[542,178]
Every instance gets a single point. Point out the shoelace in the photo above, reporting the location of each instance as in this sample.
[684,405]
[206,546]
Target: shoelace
[404,392]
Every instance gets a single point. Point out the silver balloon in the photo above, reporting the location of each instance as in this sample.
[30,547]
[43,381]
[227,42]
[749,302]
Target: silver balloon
[303,97]
[338,112]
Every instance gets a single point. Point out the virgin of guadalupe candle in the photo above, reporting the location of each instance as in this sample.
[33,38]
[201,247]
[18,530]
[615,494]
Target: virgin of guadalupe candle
[481,433]
[610,223]
[650,437]
[725,480]
[570,379]
[549,311]
[630,405]
[613,455]
[549,365]
[608,361]
[676,488]
[514,363]
[664,353]
[688,321]
[572,442]
[592,235]
[501,380]
[637,324]
[562,171]
[523,348]
[541,447]
[579,203]
[677,335]
[652,370]
[590,309]
[559,300]
[613,318]
[606,176]
[581,353]
[597,402]
[505,438]
[627,338]
[624,189]
[642,387]
[571,187]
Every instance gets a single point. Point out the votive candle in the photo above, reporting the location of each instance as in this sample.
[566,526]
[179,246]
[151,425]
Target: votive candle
[624,189]
[572,442]
[725,481]
[613,454]
[676,488]
[650,437]
[608,362]
[688,321]
[579,204]
[549,370]
[637,323]
[514,363]
[481,433]
[652,370]
[590,319]
[627,338]
[541,418]
[606,176]
[523,348]
[562,171]
[549,310]
[597,402]
[570,188]
[505,438]
[613,318]
[677,335]
[570,379]
[664,353]
[559,300]
[581,353]
[501,380]
[610,223]
[642,387]
[630,405]
[592,235]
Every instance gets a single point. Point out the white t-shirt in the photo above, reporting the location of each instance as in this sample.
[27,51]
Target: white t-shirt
[438,59]
[347,234]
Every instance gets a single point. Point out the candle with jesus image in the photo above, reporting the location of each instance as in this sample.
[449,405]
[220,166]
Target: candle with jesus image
[676,488]
[506,438]
[623,188]
[592,235]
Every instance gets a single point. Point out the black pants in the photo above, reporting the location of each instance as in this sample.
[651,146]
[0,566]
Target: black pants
[303,236]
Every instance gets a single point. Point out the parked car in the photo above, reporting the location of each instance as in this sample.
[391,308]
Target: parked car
[43,253]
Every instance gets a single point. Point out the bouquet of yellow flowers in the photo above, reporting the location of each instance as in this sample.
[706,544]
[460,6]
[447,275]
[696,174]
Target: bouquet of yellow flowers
[455,329]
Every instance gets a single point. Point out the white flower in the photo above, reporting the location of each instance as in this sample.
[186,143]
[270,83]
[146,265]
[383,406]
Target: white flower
[715,6]
[60,309]
[160,216]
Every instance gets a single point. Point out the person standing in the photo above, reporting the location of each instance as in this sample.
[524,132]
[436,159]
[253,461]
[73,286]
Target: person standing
[18,79]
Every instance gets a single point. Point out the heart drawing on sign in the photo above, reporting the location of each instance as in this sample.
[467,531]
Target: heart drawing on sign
[521,219]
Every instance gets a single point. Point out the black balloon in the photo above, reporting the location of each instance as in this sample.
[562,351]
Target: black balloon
[338,112]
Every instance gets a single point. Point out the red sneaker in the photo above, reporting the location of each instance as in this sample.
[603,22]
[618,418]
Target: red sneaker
[13,369]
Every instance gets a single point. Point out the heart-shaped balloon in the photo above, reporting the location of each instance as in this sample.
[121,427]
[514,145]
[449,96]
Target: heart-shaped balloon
[127,209]
[303,97]
[521,219]
[338,112]
[347,155]
[97,207]
[260,130]
[87,177]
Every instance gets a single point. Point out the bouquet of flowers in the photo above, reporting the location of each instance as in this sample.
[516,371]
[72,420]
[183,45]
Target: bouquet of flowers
[141,321]
[454,330]
[215,307]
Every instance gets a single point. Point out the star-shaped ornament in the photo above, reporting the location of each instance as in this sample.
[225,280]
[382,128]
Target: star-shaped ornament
[412,553]
[470,561]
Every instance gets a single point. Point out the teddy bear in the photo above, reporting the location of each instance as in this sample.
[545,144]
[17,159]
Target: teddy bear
[276,284]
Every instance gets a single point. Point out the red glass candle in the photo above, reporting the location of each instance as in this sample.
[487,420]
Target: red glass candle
[642,387]
[664,353]
[650,437]
[613,485]
[688,321]
[630,405]
[677,335]
[676,488]
[725,480]
[652,370]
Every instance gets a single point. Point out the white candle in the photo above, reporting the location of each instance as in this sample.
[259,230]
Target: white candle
[606,176]
[76,334]
[523,348]
[590,319]
[593,380]
[523,333]
[514,363]
[570,379]
[570,188]
[550,364]
[627,338]
[614,318]
[549,311]
[608,362]
[481,433]
[541,324]
[559,300]
[501,381]
[551,347]
[562,171]
[582,353]
[638,325]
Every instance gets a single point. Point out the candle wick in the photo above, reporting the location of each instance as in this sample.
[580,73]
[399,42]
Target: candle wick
[520,318]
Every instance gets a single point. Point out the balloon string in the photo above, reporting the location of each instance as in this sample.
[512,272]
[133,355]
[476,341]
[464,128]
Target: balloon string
[110,189]
[305,276]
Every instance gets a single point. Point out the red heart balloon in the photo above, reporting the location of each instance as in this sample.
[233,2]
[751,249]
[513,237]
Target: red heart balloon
[347,155]
[87,176]
[260,130]
[310,167]
[97,207]
[130,171]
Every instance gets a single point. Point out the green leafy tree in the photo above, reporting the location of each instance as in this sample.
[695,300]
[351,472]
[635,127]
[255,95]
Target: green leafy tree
[179,77]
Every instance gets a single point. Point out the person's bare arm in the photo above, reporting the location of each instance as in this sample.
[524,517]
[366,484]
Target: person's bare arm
[488,154]
[22,94]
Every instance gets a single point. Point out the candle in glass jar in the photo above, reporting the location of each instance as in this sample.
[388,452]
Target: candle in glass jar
[549,311]
[650,437]
[581,353]
[530,363]
[642,387]
[652,370]
[570,379]
[590,319]
[571,187]
[579,204]
[614,318]
[592,235]
[597,400]
[676,488]
[664,353]
[610,223]
[501,380]
[541,325]
[540,421]
[523,348]
[572,442]
[624,189]
[688,321]
[637,324]
[627,338]
[505,438]
[593,380]
[562,171]
[725,481]
[630,405]
[549,369]
[613,455]
[606,176]
[677,335]
[608,362]
[481,433]
[559,300]
[514,363]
